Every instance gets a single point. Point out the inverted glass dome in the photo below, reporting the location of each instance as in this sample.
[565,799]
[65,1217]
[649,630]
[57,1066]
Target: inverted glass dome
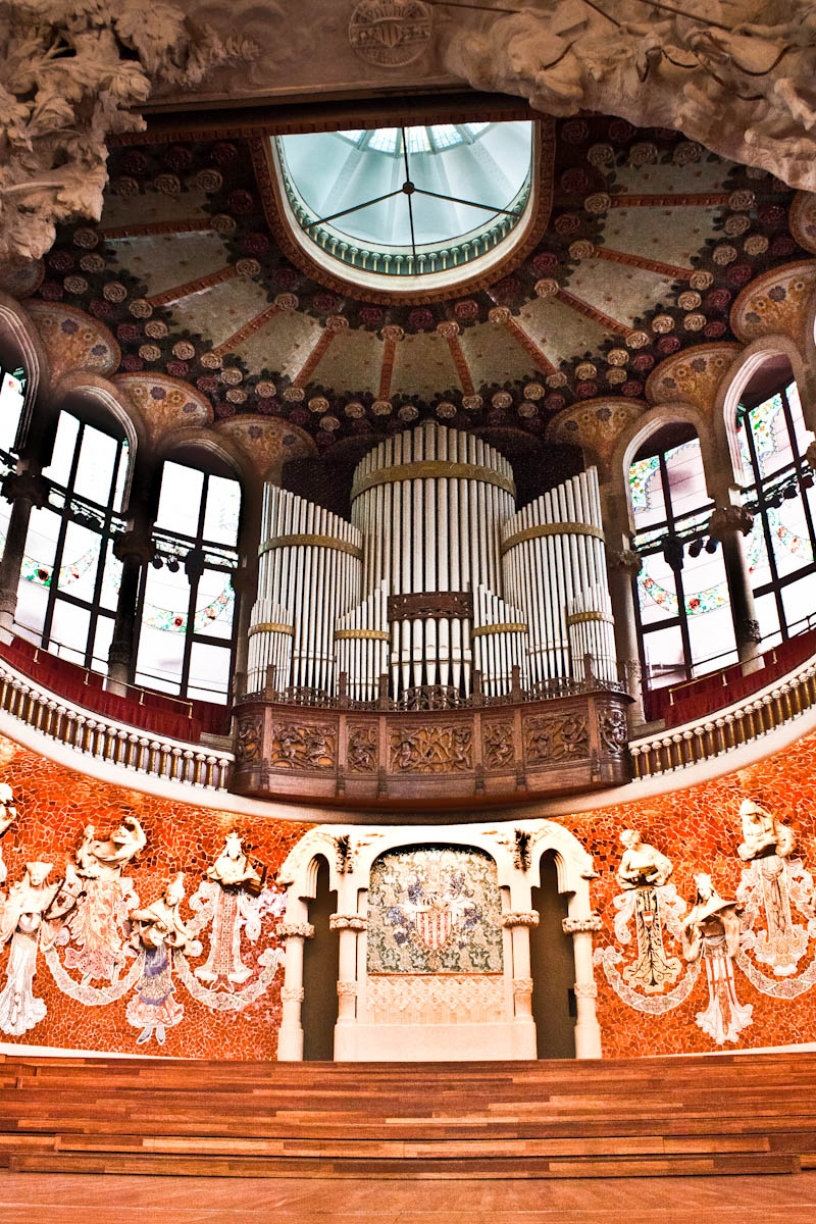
[407,202]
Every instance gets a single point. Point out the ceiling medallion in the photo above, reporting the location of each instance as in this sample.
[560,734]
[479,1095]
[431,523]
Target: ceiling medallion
[390,33]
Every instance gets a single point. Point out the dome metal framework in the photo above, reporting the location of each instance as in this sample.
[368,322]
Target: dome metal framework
[408,201]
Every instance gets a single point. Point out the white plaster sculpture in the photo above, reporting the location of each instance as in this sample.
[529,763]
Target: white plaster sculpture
[95,930]
[653,903]
[711,931]
[641,864]
[8,815]
[228,902]
[737,78]
[71,75]
[21,922]
[158,930]
[772,880]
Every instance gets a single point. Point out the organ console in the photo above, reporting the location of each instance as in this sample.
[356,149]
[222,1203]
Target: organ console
[436,578]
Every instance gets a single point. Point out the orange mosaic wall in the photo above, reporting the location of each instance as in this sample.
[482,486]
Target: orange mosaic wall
[698,828]
[54,805]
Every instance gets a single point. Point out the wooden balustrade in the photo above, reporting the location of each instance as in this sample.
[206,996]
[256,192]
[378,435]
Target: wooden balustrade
[108,740]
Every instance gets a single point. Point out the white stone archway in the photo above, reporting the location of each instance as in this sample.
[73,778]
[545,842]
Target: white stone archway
[447,1015]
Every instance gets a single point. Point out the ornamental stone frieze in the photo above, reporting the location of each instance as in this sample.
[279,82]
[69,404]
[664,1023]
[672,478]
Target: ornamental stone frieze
[520,918]
[295,930]
[347,922]
[73,76]
[580,926]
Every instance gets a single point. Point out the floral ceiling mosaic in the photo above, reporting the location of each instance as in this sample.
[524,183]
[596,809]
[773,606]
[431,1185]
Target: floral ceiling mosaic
[650,240]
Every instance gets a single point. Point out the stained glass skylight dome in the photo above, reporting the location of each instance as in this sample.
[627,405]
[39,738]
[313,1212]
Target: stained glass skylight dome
[412,203]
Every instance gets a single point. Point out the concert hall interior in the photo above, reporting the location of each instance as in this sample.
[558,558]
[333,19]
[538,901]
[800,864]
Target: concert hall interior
[407,666]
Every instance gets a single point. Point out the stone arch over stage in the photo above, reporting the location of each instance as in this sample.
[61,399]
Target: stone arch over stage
[434,939]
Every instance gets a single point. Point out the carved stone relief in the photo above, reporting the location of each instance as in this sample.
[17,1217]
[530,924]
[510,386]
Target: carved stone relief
[390,33]
[86,918]
[72,77]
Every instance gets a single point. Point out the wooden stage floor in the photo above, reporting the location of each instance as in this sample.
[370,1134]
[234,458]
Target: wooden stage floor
[39,1198]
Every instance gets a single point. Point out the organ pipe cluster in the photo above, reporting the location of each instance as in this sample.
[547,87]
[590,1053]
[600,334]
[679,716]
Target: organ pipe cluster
[436,576]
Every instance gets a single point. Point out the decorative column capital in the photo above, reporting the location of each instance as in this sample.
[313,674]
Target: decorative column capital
[624,560]
[136,542]
[295,930]
[585,990]
[347,990]
[347,922]
[523,986]
[26,486]
[748,629]
[520,918]
[728,520]
[292,994]
[580,926]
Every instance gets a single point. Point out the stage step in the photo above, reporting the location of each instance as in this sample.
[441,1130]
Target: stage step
[652,1117]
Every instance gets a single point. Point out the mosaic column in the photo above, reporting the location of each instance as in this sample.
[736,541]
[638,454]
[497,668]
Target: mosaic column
[518,923]
[290,1035]
[349,926]
[25,490]
[587,1029]
[623,566]
[729,524]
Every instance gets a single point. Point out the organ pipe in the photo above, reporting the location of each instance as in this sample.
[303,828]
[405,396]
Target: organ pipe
[436,575]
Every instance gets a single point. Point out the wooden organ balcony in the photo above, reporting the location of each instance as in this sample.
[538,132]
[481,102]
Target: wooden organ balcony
[432,745]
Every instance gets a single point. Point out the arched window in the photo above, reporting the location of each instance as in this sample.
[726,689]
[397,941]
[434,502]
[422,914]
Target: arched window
[186,637]
[12,398]
[70,578]
[683,606]
[781,550]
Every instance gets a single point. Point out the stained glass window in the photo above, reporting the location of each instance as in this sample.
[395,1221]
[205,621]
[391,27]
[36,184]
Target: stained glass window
[773,438]
[186,629]
[69,580]
[683,605]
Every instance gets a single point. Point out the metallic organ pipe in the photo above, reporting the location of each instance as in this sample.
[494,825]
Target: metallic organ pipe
[436,573]
[554,567]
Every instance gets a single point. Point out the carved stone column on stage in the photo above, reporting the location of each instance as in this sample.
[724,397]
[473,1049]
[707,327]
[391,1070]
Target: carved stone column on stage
[518,923]
[729,524]
[349,927]
[134,548]
[25,490]
[290,1034]
[587,1029]
[623,565]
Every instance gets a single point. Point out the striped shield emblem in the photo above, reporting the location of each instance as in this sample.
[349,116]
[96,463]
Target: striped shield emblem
[434,927]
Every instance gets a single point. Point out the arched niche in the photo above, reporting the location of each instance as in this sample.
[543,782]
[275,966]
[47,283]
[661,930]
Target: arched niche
[407,898]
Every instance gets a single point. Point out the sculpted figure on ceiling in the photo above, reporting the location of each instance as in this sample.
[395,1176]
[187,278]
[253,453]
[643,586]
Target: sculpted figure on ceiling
[736,78]
[71,75]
